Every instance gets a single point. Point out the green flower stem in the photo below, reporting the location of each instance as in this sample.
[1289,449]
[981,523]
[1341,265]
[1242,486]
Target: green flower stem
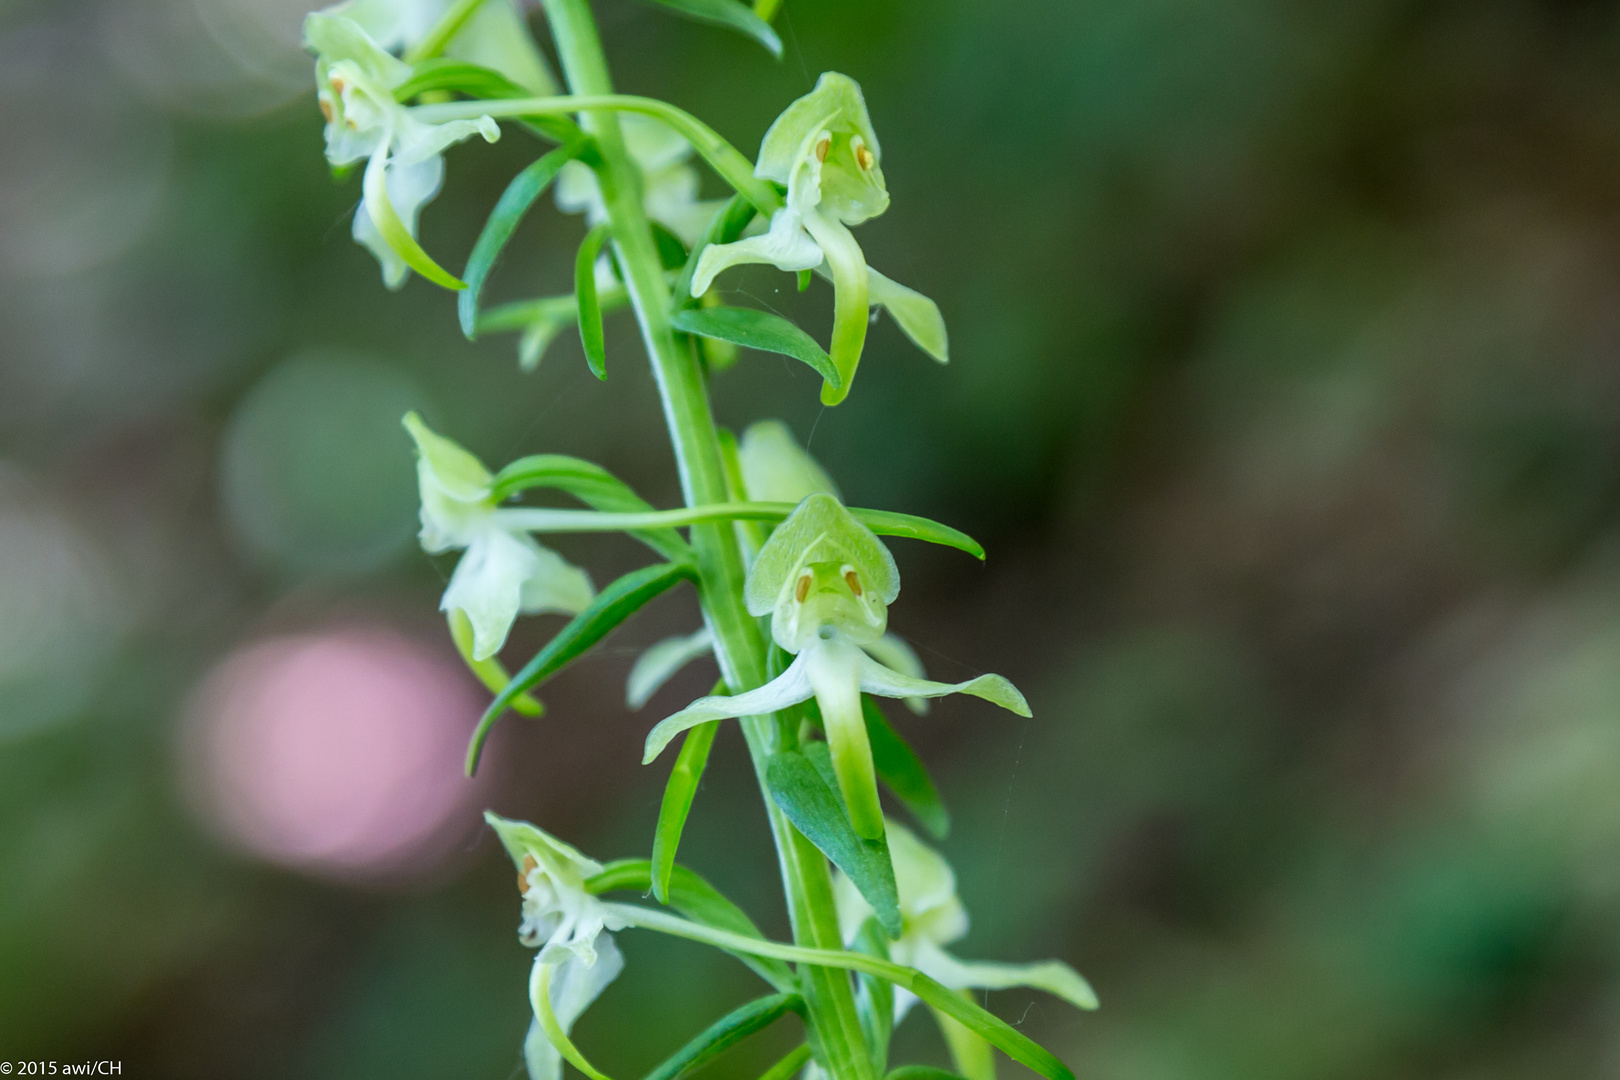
[739,645]
[723,158]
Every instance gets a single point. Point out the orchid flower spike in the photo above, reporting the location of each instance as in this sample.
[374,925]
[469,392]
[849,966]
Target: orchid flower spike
[824,150]
[577,956]
[827,581]
[932,917]
[504,571]
[775,468]
[356,78]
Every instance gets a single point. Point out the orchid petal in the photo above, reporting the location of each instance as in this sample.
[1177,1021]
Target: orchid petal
[788,688]
[785,245]
[488,586]
[571,988]
[658,664]
[554,584]
[851,301]
[393,240]
[1053,976]
[894,653]
[834,671]
[776,468]
[886,682]
[916,315]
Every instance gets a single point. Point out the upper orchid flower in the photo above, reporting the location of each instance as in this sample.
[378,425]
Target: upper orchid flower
[827,581]
[932,917]
[824,150]
[775,468]
[356,78]
[577,957]
[504,571]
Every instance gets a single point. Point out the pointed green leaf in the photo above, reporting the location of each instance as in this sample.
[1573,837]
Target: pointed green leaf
[921,1072]
[757,330]
[678,795]
[726,1032]
[729,13]
[671,250]
[509,210]
[881,522]
[590,310]
[1000,1034]
[443,73]
[800,786]
[699,901]
[592,485]
[899,767]
[724,228]
[610,607]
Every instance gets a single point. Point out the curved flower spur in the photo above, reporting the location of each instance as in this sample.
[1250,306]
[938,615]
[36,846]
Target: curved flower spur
[826,582]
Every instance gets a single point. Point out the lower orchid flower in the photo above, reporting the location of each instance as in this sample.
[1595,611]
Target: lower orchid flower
[932,917]
[827,581]
[577,955]
[504,571]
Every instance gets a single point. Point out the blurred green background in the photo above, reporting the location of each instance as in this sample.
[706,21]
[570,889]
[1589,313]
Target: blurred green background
[1284,395]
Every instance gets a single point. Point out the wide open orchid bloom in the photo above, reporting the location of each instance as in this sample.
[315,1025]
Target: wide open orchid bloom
[775,468]
[932,917]
[577,957]
[668,177]
[504,571]
[824,150]
[404,156]
[827,581]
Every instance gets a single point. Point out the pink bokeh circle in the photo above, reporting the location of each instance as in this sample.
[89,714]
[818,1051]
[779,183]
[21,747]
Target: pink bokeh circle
[336,753]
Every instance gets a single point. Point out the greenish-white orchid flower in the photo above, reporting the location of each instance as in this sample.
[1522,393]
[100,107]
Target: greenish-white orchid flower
[356,78]
[503,571]
[826,582]
[824,150]
[577,956]
[669,181]
[775,468]
[932,917]
[494,35]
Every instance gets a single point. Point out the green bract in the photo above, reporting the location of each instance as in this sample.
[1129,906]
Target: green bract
[823,149]
[503,571]
[932,917]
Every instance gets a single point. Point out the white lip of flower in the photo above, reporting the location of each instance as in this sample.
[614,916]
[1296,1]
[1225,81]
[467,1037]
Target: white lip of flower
[404,156]
[827,582]
[669,181]
[504,571]
[932,917]
[775,468]
[824,150]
